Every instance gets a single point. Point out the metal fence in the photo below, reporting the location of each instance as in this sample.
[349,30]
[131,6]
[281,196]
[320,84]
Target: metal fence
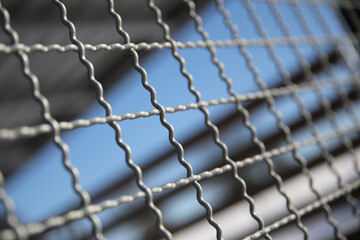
[276,187]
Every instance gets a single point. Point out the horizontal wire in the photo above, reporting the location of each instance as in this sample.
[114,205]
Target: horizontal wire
[73,215]
[307,209]
[32,131]
[309,40]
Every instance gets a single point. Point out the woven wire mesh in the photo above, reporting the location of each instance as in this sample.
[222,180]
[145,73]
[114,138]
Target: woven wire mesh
[279,161]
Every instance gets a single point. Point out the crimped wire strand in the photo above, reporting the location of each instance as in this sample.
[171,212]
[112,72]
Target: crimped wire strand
[326,104]
[100,98]
[43,102]
[330,159]
[10,216]
[142,72]
[32,131]
[276,177]
[346,101]
[76,214]
[324,57]
[306,114]
[73,215]
[303,164]
[307,209]
[162,112]
[269,99]
[169,127]
[342,94]
[209,124]
[300,40]
[344,97]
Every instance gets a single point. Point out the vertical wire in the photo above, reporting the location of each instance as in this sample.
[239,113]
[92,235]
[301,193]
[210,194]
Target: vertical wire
[325,103]
[10,216]
[269,99]
[167,125]
[353,38]
[256,140]
[346,100]
[325,62]
[307,115]
[155,103]
[45,106]
[343,96]
[209,124]
[106,105]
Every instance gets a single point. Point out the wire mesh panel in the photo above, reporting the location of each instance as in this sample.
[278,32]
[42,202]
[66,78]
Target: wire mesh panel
[180,119]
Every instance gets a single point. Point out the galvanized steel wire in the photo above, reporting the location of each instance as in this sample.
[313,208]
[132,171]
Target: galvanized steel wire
[55,128]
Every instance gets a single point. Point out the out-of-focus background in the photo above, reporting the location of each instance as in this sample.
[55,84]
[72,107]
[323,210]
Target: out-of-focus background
[315,86]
